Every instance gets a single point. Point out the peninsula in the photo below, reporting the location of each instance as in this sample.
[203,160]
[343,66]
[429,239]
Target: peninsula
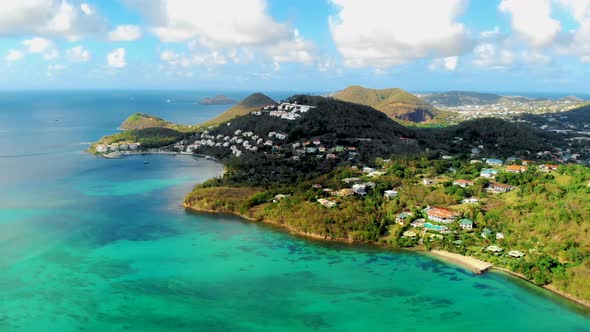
[498,191]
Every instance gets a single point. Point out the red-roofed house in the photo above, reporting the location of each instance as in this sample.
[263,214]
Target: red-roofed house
[441,215]
[548,168]
[516,169]
[463,183]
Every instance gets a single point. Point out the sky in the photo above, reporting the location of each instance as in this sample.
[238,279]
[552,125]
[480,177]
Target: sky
[296,45]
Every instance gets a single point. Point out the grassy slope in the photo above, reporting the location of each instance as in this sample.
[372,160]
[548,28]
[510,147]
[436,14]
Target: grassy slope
[251,103]
[395,103]
[140,121]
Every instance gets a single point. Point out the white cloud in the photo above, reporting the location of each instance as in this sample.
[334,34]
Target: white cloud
[297,50]
[42,46]
[490,34]
[116,59]
[580,9]
[532,21]
[183,60]
[385,33]
[86,9]
[535,58]
[56,67]
[37,44]
[126,32]
[220,23]
[14,55]
[78,54]
[578,43]
[449,63]
[224,31]
[489,55]
[58,18]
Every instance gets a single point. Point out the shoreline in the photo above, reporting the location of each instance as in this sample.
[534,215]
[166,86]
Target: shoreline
[583,303]
[468,262]
[471,263]
[139,153]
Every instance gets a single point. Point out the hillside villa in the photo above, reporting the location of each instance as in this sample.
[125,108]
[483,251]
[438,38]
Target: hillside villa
[470,200]
[515,254]
[548,168]
[494,162]
[327,203]
[466,223]
[418,223]
[390,194]
[516,169]
[488,173]
[463,183]
[402,218]
[498,188]
[494,249]
[440,215]
[345,192]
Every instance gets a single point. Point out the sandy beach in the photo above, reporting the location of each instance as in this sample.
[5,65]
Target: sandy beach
[474,264]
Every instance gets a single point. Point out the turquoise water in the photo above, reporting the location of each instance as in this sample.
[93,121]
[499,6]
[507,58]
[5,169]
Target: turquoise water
[88,244]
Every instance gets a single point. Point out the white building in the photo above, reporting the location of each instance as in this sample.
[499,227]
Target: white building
[102,148]
[390,193]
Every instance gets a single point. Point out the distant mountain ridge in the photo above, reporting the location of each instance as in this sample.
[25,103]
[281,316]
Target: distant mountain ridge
[461,98]
[395,103]
[247,105]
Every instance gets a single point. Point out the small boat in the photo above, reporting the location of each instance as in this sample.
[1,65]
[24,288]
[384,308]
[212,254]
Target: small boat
[146,162]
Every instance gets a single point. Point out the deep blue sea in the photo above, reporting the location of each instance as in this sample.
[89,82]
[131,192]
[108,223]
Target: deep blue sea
[90,244]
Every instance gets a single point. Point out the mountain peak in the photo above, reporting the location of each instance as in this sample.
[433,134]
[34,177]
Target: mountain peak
[394,102]
[247,105]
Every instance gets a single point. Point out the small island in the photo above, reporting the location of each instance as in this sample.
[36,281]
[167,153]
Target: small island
[217,100]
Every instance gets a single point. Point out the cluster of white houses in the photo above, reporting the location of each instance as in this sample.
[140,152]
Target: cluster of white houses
[242,141]
[239,142]
[286,111]
[117,147]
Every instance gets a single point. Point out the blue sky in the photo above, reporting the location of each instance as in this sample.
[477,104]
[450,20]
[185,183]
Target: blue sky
[303,45]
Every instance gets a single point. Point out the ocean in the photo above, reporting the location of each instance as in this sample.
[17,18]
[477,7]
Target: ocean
[90,244]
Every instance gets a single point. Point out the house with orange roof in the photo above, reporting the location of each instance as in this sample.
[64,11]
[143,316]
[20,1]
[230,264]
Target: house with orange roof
[516,169]
[463,183]
[441,215]
[548,168]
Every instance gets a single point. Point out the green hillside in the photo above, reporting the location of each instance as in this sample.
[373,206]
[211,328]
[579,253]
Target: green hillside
[139,121]
[395,103]
[249,104]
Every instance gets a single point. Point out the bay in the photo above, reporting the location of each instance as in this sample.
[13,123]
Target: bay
[89,244]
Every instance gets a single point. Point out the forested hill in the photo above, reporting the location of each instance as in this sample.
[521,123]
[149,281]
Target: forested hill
[335,122]
[395,103]
[373,134]
[499,138]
